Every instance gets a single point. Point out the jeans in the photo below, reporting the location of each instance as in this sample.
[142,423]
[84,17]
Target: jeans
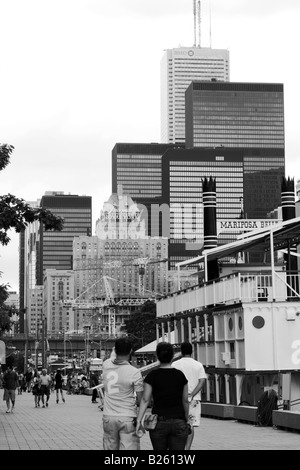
[119,433]
[169,434]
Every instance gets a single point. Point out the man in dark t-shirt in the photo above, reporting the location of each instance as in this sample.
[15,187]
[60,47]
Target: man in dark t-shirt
[10,384]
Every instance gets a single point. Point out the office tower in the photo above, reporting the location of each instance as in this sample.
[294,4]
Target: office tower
[28,246]
[120,263]
[235,115]
[41,250]
[137,167]
[58,286]
[179,67]
[120,250]
[248,184]
[56,248]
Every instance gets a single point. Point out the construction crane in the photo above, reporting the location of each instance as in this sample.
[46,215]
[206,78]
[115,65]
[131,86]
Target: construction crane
[108,304]
[142,263]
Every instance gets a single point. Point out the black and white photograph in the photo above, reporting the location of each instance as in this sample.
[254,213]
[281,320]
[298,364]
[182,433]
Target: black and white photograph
[149,227]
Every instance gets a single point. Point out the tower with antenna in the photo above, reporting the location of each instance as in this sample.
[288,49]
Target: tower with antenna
[180,66]
[197,22]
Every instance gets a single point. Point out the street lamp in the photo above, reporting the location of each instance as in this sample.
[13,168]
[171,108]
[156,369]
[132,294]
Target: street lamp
[70,345]
[65,356]
[98,344]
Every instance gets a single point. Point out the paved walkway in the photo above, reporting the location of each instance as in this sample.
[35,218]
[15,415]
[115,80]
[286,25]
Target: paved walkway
[77,425]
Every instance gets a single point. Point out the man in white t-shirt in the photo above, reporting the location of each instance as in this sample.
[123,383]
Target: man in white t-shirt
[123,389]
[196,376]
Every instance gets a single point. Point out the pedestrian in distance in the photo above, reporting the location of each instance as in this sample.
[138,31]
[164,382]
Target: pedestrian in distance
[36,390]
[168,388]
[45,387]
[196,376]
[123,388]
[21,383]
[28,379]
[58,387]
[10,384]
[94,381]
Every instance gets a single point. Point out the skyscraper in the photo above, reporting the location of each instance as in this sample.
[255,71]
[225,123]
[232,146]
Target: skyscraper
[179,67]
[247,179]
[41,250]
[137,168]
[56,248]
[234,115]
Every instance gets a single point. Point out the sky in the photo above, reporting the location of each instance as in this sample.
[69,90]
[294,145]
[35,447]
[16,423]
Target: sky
[79,76]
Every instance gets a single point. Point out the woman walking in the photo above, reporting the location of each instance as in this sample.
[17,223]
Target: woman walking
[36,390]
[168,388]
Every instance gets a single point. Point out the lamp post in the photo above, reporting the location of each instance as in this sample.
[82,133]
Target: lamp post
[70,344]
[65,355]
[98,344]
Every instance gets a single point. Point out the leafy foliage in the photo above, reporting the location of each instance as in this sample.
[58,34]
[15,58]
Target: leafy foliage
[141,325]
[15,213]
[6,312]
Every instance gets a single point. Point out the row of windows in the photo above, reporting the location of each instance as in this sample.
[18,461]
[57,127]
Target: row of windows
[194,177]
[239,142]
[184,164]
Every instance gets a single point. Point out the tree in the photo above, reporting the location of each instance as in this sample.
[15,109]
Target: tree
[141,325]
[15,213]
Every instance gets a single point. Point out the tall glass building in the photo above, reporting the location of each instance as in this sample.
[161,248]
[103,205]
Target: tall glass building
[41,250]
[248,184]
[179,67]
[56,248]
[137,168]
[234,115]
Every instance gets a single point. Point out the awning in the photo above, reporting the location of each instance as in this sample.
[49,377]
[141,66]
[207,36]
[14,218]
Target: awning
[284,234]
[151,347]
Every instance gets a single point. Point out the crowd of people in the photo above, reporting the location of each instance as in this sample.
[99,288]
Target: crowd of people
[172,391]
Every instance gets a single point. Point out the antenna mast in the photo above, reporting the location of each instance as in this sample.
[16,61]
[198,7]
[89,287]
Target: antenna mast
[210,23]
[199,23]
[195,23]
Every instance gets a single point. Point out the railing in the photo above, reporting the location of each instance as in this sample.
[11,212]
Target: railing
[234,288]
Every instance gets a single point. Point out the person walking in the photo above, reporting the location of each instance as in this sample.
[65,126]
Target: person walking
[168,388]
[10,384]
[20,382]
[196,376]
[36,390]
[123,388]
[45,386]
[94,381]
[28,379]
[58,387]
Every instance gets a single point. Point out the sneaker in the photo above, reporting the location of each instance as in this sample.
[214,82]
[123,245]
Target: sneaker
[43,406]
[64,400]
[56,401]
[7,411]
[46,404]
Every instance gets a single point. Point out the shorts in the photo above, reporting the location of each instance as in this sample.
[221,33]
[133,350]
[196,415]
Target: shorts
[9,394]
[45,390]
[119,433]
[195,413]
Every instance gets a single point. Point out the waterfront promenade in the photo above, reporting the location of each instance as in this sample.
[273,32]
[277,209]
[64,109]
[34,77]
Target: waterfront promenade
[77,425]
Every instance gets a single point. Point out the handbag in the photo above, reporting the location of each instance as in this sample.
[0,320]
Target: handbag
[150,422]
